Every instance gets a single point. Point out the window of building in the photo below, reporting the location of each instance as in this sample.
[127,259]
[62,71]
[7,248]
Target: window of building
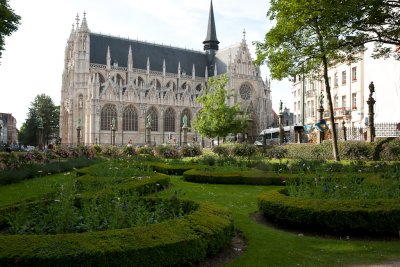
[312,109]
[245,91]
[154,118]
[354,101]
[343,101]
[108,113]
[343,77]
[294,106]
[169,120]
[130,119]
[336,104]
[330,81]
[354,73]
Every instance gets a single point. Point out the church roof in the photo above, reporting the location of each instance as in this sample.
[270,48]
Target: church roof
[156,53]
[226,56]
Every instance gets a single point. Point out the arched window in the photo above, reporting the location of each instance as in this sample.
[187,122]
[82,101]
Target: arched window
[198,88]
[245,91]
[188,115]
[154,119]
[101,78]
[108,112]
[120,79]
[169,120]
[139,82]
[158,84]
[130,119]
[171,85]
[185,86]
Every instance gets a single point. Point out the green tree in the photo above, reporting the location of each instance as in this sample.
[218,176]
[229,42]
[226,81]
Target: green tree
[308,38]
[216,117]
[42,108]
[8,22]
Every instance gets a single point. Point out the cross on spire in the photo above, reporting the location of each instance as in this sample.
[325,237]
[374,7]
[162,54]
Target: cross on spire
[244,34]
[77,20]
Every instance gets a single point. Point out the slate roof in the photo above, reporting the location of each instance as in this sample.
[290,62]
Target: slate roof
[119,48]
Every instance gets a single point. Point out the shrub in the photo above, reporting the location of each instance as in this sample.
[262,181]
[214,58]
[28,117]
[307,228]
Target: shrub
[221,150]
[170,243]
[348,217]
[277,152]
[129,150]
[111,151]
[145,150]
[356,150]
[207,160]
[191,150]
[167,151]
[391,150]
[244,150]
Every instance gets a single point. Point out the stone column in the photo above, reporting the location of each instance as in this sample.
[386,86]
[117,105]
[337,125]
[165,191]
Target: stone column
[281,130]
[148,135]
[113,135]
[185,130]
[78,135]
[320,135]
[371,126]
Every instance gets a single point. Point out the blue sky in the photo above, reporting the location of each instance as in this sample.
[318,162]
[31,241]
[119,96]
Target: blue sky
[33,61]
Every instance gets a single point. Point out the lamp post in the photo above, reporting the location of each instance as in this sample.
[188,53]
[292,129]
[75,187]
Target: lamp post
[320,135]
[1,131]
[40,128]
[371,102]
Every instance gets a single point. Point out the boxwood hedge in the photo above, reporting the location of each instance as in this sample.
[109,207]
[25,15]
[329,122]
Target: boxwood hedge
[349,217]
[188,239]
[251,176]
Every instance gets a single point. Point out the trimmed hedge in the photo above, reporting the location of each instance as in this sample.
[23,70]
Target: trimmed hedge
[349,217]
[171,168]
[253,177]
[185,240]
[37,170]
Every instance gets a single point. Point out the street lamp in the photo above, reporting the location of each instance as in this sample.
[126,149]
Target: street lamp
[113,131]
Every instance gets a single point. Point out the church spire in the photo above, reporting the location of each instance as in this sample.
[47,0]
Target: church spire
[211,41]
[108,58]
[84,26]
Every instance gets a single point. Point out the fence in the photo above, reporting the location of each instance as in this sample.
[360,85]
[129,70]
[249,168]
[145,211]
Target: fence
[391,129]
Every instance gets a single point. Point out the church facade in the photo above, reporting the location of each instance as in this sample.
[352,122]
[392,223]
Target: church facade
[110,82]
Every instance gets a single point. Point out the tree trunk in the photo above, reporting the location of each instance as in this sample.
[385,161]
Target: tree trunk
[331,114]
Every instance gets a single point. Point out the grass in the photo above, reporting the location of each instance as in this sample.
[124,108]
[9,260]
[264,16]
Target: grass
[268,246]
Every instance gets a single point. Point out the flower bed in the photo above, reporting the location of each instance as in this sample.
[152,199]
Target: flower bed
[189,239]
[348,217]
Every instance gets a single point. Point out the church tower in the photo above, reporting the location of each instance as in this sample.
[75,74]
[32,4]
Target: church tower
[211,42]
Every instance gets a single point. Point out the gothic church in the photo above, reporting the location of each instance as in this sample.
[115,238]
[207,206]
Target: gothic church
[110,80]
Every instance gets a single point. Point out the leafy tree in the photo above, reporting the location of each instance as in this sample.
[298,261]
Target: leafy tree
[375,21]
[8,22]
[42,108]
[308,38]
[216,117]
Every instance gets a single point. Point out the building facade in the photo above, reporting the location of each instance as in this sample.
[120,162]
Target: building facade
[8,129]
[110,80]
[349,84]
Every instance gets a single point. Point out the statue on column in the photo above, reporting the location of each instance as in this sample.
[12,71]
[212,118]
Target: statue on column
[149,120]
[371,89]
[321,99]
[185,120]
[280,106]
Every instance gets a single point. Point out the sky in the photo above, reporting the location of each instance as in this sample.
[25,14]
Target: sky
[33,60]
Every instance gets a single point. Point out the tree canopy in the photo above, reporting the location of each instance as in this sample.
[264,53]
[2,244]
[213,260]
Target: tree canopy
[42,111]
[8,22]
[216,117]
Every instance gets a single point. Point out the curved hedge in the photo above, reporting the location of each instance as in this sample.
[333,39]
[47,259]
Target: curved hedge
[351,217]
[253,177]
[189,239]
[171,169]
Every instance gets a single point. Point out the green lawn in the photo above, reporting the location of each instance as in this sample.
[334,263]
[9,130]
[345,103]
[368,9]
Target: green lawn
[271,247]
[266,246]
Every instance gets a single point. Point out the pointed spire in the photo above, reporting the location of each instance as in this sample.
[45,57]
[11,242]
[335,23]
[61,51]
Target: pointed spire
[130,59]
[179,69]
[211,41]
[244,34]
[148,65]
[163,68]
[77,21]
[84,26]
[108,58]
[193,72]
[215,70]
[71,35]
[206,74]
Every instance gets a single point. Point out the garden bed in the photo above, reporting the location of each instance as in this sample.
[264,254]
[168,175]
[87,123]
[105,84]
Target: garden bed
[345,217]
[188,239]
